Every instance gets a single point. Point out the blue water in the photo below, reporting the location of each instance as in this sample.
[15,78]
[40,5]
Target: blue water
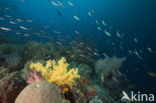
[134,18]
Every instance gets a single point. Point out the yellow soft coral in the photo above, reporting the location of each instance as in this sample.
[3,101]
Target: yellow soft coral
[57,72]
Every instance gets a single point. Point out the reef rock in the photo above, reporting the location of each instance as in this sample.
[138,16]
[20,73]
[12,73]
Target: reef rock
[40,92]
[10,85]
[13,59]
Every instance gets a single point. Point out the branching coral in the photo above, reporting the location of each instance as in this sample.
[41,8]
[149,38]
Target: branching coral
[57,73]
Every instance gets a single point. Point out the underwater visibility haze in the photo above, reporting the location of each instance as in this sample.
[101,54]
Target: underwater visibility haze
[77,51]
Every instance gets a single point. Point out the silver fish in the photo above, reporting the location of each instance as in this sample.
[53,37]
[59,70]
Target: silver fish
[77,32]
[99,28]
[103,22]
[57,32]
[119,35]
[23,28]
[107,33]
[70,3]
[77,18]
[149,49]
[61,4]
[11,22]
[89,13]
[2,19]
[6,29]
[55,4]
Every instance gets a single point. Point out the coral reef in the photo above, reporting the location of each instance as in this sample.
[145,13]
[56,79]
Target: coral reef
[3,72]
[6,48]
[8,52]
[13,59]
[36,63]
[34,50]
[114,90]
[103,94]
[95,99]
[84,69]
[10,85]
[26,71]
[40,92]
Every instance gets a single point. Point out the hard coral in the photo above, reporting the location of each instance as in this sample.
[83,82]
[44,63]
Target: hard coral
[57,73]
[40,92]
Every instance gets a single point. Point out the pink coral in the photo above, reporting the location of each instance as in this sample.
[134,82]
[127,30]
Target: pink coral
[35,77]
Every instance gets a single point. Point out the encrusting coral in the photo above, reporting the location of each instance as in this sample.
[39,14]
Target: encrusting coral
[57,73]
